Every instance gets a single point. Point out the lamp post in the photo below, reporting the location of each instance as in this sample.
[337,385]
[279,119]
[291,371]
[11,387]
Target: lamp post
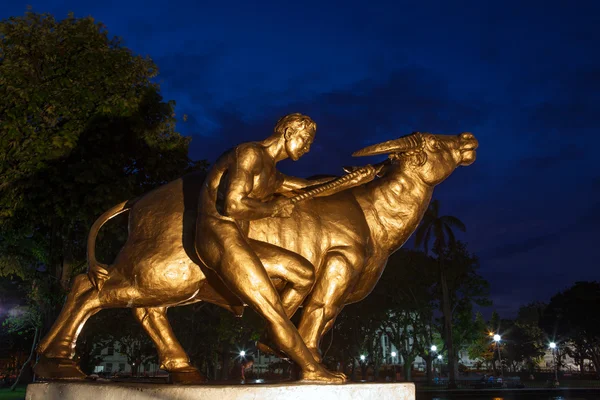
[363,367]
[393,354]
[553,347]
[433,349]
[497,339]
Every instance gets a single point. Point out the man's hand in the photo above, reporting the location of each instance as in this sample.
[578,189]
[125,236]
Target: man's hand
[283,208]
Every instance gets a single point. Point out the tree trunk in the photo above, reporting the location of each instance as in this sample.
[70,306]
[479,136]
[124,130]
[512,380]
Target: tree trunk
[31,353]
[408,370]
[428,366]
[446,310]
[225,364]
[596,361]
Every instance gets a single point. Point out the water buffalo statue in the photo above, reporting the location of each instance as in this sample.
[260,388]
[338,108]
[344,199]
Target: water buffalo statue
[347,236]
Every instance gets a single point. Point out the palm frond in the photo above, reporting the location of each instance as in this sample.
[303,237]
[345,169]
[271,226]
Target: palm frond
[421,231]
[451,237]
[454,222]
[426,244]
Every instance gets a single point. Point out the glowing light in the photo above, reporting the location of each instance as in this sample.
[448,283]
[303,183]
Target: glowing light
[439,357]
[393,354]
[242,353]
[552,345]
[362,357]
[497,338]
[434,348]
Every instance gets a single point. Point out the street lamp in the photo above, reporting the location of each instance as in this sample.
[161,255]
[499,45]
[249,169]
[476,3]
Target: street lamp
[242,353]
[553,347]
[433,349]
[393,354]
[497,339]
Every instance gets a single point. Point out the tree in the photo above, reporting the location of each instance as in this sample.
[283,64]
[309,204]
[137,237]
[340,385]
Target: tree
[521,345]
[22,321]
[82,128]
[440,227]
[533,344]
[465,288]
[481,348]
[405,292]
[118,329]
[357,332]
[212,335]
[568,319]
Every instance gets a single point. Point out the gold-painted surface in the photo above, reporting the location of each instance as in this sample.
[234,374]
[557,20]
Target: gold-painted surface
[226,236]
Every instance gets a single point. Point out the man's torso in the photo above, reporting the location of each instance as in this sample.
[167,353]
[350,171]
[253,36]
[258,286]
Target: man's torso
[266,180]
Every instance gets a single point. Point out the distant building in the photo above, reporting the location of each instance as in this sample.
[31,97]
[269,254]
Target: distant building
[114,362]
[419,363]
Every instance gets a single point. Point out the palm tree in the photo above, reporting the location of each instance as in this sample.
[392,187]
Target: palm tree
[441,228]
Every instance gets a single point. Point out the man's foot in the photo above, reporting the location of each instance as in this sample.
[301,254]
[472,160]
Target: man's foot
[57,368]
[321,375]
[186,376]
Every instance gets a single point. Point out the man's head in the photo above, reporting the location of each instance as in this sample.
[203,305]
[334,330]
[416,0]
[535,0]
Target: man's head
[299,132]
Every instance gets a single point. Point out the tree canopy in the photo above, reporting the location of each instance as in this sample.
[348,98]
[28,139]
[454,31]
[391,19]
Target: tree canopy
[82,127]
[571,320]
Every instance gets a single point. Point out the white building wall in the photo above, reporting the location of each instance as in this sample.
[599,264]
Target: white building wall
[114,362]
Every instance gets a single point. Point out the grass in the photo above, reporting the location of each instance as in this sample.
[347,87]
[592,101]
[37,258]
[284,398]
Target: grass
[18,394]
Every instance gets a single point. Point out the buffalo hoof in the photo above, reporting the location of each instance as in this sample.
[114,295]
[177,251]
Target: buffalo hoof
[57,369]
[187,376]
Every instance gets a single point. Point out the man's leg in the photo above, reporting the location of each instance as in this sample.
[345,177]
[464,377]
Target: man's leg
[227,252]
[297,271]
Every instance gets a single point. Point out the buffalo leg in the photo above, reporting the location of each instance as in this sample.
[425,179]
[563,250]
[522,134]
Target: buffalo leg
[58,346]
[326,300]
[173,357]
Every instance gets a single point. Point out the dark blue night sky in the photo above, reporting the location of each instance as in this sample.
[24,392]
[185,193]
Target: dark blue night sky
[523,76]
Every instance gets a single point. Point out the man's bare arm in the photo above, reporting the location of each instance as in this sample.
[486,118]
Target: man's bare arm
[241,182]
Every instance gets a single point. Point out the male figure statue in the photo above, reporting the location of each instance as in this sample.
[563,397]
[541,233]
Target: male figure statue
[240,187]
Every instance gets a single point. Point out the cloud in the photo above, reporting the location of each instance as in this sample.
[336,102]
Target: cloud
[509,250]
[568,153]
[367,112]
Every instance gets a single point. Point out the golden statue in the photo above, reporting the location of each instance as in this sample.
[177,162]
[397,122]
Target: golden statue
[245,234]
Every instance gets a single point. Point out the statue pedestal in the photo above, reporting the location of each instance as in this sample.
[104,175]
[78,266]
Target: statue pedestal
[287,391]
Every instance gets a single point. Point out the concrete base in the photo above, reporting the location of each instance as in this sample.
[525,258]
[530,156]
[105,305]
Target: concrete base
[288,391]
